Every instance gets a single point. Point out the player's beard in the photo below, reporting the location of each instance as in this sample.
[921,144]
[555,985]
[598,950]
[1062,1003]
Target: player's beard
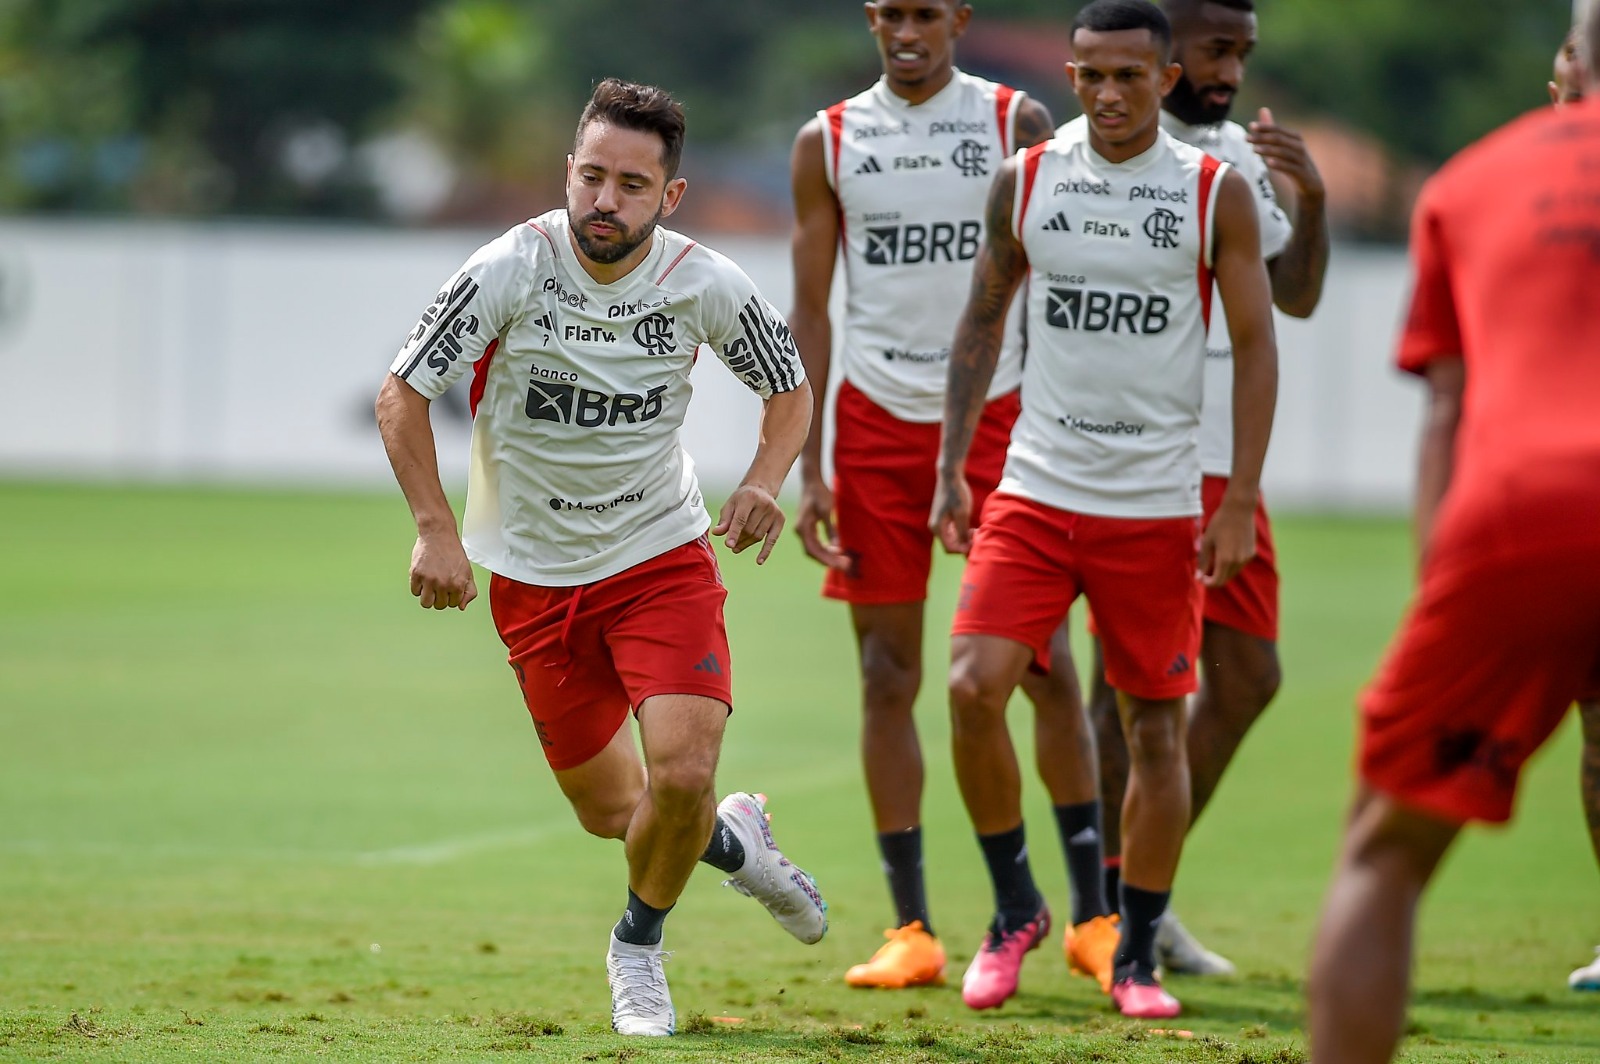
[605,252]
[1187,102]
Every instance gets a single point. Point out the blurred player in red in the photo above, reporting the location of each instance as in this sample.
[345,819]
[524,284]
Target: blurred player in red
[579,328]
[1117,236]
[1239,673]
[1569,85]
[1504,633]
[897,175]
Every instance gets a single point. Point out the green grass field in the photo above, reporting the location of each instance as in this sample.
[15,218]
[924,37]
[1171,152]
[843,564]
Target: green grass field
[255,804]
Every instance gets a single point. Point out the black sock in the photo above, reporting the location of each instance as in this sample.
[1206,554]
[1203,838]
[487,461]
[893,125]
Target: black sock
[1016,899]
[724,851]
[640,923]
[902,863]
[1080,838]
[1111,876]
[1141,912]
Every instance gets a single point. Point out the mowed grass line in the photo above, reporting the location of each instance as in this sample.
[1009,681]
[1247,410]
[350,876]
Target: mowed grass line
[254,804]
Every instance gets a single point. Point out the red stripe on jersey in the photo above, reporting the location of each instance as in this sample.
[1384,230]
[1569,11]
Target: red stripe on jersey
[673,265]
[540,230]
[1207,276]
[836,135]
[1002,109]
[480,372]
[1030,172]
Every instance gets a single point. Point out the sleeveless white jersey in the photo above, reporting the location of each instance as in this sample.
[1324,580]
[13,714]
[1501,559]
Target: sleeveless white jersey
[912,183]
[1228,142]
[578,393]
[1119,295]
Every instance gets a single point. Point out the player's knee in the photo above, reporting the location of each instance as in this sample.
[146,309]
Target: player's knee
[679,789]
[1155,738]
[604,821]
[975,695]
[889,684]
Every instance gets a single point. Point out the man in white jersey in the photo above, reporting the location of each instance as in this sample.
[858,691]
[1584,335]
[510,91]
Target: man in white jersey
[1119,237]
[898,175]
[1213,41]
[580,328]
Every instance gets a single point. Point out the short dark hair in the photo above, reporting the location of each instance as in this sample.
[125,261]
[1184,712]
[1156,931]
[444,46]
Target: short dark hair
[1177,9]
[1109,16]
[644,108]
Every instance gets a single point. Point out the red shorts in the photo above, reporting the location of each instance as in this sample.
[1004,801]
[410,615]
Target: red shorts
[1502,638]
[1248,602]
[884,478]
[1030,561]
[583,655]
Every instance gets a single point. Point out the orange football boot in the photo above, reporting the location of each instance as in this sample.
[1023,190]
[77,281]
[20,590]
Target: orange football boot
[1090,948]
[911,957]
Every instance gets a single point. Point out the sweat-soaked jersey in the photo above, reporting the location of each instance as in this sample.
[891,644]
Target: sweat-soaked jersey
[578,393]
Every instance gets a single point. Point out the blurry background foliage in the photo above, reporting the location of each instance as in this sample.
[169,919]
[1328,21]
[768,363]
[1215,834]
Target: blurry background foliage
[460,110]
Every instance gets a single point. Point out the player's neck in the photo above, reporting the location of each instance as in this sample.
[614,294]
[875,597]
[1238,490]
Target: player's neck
[923,91]
[611,272]
[1128,149]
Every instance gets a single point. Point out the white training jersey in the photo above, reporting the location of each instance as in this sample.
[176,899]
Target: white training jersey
[1118,300]
[578,393]
[912,183]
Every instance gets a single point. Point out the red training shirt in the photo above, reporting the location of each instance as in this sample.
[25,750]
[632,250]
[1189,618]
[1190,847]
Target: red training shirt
[1506,242]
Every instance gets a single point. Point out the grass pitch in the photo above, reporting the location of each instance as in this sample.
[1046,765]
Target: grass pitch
[255,804]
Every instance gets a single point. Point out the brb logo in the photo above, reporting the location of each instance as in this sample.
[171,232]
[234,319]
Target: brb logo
[907,245]
[1088,310]
[654,334]
[567,404]
[972,158]
[1162,228]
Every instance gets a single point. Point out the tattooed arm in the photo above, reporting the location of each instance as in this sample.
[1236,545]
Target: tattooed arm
[1034,124]
[999,269]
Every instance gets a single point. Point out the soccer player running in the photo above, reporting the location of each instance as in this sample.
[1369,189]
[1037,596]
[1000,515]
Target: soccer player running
[1504,633]
[899,174]
[1569,86]
[580,328]
[1213,41]
[1118,236]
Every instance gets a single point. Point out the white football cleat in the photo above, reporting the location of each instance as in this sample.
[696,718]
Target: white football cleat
[786,890]
[1179,951]
[1587,977]
[640,1001]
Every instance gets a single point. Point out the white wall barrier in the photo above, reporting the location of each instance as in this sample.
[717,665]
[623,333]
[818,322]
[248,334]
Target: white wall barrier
[252,352]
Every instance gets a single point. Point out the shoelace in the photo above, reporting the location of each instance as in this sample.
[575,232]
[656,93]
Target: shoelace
[641,984]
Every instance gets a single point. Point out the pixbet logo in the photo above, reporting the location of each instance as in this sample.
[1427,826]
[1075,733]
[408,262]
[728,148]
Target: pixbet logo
[1157,193]
[1083,188]
[568,404]
[564,295]
[957,126]
[628,310]
[870,132]
[654,334]
[907,245]
[1090,310]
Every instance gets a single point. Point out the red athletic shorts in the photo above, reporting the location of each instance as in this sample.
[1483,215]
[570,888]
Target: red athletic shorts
[1503,637]
[884,478]
[583,655]
[1248,602]
[1030,561]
